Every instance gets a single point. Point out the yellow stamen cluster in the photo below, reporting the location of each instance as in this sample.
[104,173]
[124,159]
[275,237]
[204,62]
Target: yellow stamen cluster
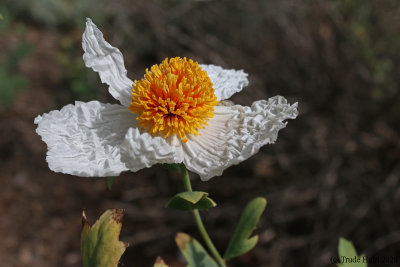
[175,97]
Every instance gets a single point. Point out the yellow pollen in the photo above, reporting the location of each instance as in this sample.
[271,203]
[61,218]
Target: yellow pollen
[175,97]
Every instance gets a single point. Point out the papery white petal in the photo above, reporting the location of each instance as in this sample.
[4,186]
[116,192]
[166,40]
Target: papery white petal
[107,61]
[84,139]
[141,150]
[234,134]
[226,82]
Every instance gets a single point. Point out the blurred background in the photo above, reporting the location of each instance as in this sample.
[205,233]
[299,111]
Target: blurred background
[333,172]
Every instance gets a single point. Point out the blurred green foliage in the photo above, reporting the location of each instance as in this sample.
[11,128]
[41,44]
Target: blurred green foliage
[361,31]
[372,39]
[77,81]
[55,12]
[11,82]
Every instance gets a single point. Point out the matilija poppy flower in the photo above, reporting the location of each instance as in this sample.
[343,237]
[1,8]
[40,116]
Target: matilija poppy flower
[175,114]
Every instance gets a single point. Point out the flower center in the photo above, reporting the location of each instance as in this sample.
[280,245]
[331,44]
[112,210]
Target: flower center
[175,97]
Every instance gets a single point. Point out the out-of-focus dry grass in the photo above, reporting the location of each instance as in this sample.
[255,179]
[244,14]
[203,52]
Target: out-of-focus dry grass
[333,172]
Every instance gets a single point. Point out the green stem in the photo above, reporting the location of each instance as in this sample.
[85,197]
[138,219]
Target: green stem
[199,222]
[186,179]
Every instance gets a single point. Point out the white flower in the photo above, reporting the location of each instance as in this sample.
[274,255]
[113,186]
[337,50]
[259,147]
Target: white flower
[96,139]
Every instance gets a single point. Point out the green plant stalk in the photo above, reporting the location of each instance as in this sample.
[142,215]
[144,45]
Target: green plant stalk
[199,222]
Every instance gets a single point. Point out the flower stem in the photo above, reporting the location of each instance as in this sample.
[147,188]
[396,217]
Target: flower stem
[199,222]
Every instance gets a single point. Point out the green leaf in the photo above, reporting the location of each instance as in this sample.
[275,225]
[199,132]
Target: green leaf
[100,245]
[160,263]
[348,255]
[174,167]
[191,201]
[194,253]
[110,182]
[1,16]
[240,242]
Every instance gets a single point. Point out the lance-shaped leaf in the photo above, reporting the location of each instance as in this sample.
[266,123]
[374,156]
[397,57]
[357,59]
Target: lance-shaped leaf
[348,255]
[100,245]
[191,200]
[160,263]
[240,242]
[193,252]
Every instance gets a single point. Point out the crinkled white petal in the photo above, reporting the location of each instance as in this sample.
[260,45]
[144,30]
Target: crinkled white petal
[234,134]
[84,139]
[107,61]
[141,150]
[226,82]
